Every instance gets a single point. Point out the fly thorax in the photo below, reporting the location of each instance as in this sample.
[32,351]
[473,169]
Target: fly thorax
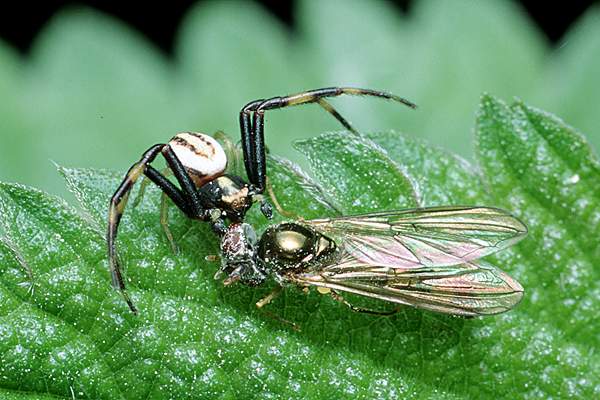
[291,246]
[201,155]
[239,256]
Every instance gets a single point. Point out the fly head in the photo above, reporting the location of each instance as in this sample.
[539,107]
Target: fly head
[240,261]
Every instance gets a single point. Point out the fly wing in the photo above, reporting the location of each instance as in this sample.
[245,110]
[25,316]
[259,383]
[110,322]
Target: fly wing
[468,289]
[424,237]
[422,257]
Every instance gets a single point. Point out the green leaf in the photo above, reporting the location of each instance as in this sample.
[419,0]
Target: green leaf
[192,335]
[68,333]
[440,176]
[357,173]
[539,166]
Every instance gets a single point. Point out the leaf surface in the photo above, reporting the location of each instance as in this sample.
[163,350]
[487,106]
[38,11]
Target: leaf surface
[69,333]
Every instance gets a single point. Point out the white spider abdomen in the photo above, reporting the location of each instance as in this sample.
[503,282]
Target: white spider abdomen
[201,155]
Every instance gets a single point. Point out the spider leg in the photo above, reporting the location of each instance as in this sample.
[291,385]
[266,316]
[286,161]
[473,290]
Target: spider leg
[188,201]
[169,189]
[164,207]
[164,221]
[313,96]
[331,110]
[232,152]
[144,185]
[253,130]
[199,206]
[250,141]
[277,204]
[141,192]
[259,156]
[116,208]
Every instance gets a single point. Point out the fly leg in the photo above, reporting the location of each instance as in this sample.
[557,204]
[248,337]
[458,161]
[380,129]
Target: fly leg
[266,300]
[336,296]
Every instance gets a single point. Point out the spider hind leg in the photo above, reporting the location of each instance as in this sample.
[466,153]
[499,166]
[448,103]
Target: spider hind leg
[164,222]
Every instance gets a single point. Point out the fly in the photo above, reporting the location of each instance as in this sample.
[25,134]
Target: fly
[426,258]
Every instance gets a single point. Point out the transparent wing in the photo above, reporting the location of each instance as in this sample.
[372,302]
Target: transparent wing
[425,237]
[422,257]
[465,289]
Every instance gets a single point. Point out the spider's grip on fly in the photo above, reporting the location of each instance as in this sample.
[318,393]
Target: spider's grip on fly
[198,163]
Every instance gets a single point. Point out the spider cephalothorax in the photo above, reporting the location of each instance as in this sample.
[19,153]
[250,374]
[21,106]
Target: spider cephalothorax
[205,192]
[224,196]
[198,163]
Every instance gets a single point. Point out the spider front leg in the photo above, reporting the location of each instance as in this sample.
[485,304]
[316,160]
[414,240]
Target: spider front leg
[164,208]
[249,141]
[252,122]
[116,208]
[144,185]
[253,142]
[187,200]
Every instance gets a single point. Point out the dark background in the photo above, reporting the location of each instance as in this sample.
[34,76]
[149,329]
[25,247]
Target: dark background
[21,21]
